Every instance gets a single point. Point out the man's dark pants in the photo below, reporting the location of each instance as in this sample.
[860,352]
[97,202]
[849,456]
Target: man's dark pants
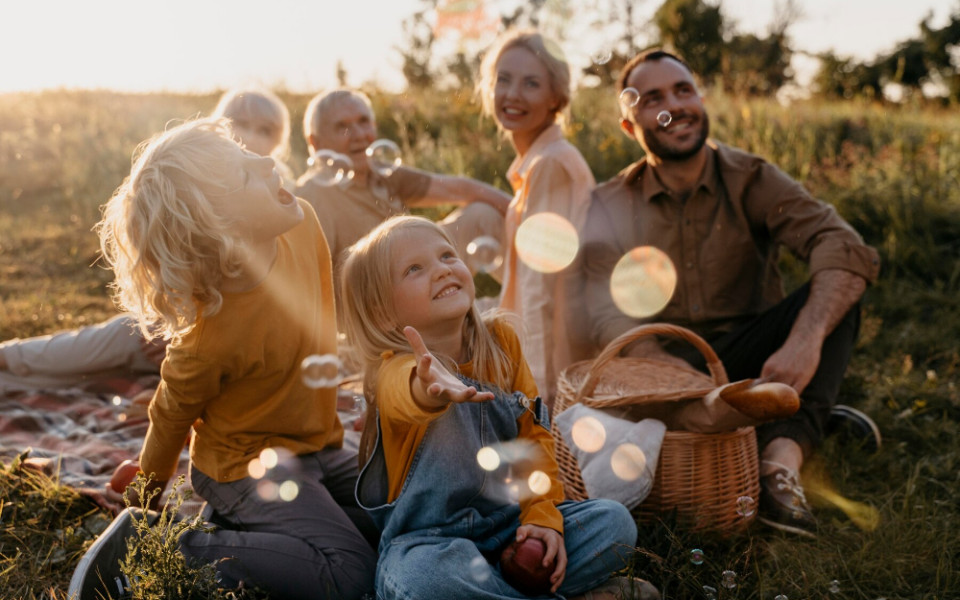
[744,350]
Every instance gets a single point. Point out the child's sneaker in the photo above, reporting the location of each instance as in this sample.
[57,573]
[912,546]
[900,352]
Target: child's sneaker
[623,588]
[98,576]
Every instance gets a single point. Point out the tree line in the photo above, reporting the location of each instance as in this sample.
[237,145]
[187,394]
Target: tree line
[740,63]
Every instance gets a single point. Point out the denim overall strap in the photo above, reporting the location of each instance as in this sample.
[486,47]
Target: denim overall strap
[446,491]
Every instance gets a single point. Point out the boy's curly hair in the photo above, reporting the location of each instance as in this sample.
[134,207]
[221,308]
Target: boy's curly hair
[167,245]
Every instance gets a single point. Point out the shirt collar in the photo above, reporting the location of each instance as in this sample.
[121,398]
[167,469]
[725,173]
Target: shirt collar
[650,186]
[520,165]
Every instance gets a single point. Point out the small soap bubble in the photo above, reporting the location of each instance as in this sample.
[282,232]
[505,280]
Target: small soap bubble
[602,56]
[709,592]
[484,254]
[539,483]
[256,469]
[384,157]
[728,579]
[696,556]
[588,434]
[628,462]
[288,491]
[781,597]
[330,168]
[547,242]
[629,97]
[834,587]
[269,458]
[746,506]
[320,371]
[488,458]
[479,569]
[268,490]
[117,400]
[664,118]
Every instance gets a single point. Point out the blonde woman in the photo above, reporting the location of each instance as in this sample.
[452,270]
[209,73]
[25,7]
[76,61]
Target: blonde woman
[525,87]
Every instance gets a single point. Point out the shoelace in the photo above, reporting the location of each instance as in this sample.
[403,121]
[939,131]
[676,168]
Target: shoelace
[788,481]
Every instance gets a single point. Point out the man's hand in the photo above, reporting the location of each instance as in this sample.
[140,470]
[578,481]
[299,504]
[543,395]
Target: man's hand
[432,385]
[555,548]
[794,364]
[833,292]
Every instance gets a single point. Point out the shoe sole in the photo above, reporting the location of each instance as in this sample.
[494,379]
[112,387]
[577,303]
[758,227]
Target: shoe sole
[87,582]
[787,528]
[844,410]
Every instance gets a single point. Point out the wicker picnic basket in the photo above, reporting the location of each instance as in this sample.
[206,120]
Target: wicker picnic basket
[701,476]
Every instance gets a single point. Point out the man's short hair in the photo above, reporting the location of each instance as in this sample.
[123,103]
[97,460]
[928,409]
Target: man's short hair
[321,103]
[649,55]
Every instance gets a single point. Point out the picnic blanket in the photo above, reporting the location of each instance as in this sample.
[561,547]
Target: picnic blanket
[79,435]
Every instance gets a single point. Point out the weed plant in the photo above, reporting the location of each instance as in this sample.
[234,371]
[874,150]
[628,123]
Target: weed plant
[889,522]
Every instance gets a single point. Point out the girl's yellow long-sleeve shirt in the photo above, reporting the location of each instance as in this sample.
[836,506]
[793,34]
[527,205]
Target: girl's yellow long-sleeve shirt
[403,424]
[236,376]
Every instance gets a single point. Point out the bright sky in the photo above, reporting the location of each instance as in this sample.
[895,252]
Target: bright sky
[205,45]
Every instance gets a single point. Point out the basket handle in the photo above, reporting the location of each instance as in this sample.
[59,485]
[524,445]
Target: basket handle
[714,365]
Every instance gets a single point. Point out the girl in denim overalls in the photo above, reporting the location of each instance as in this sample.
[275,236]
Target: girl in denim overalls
[410,313]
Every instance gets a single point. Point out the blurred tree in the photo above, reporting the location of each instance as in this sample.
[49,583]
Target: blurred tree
[417,49]
[758,66]
[695,30]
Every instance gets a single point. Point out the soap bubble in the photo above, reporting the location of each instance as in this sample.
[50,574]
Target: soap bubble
[628,462]
[728,579]
[488,458]
[117,400]
[834,587]
[277,472]
[320,371]
[288,490]
[602,55]
[539,483]
[709,592]
[384,157]
[484,254]
[629,97]
[781,597]
[664,118]
[643,281]
[546,242]
[696,556]
[479,569]
[746,506]
[588,434]
[330,168]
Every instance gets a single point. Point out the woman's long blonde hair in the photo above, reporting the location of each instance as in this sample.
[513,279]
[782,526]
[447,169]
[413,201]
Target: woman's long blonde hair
[168,247]
[371,321]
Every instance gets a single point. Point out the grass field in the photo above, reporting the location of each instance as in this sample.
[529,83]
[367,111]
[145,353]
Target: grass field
[894,172]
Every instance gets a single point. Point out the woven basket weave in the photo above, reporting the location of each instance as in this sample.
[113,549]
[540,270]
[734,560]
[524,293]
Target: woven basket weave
[701,476]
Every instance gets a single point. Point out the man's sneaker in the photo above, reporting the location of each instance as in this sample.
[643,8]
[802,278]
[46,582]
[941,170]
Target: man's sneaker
[854,425]
[783,504]
[98,576]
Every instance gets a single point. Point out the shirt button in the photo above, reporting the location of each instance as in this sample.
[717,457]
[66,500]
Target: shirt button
[689,265]
[696,308]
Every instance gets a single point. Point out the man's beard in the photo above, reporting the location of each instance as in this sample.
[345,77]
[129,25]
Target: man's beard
[667,153]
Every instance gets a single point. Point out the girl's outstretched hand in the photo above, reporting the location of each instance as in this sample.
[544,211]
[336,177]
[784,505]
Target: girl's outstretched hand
[432,384]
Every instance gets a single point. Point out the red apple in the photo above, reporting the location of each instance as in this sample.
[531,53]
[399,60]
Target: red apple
[521,564]
[123,475]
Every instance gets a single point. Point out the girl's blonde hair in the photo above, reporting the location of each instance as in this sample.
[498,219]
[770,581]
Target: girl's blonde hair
[259,105]
[166,243]
[371,322]
[543,48]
